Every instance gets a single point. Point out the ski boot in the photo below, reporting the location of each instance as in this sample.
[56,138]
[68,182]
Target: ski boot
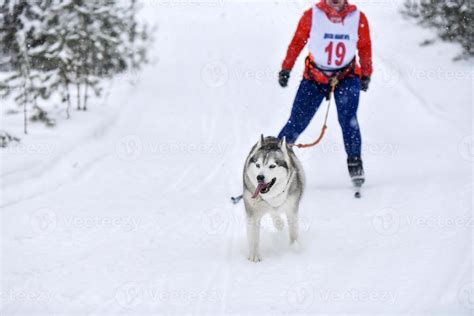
[356,172]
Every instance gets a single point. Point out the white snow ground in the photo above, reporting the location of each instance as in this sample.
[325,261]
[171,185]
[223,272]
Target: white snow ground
[125,209]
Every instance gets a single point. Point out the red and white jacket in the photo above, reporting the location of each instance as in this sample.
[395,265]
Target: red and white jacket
[302,36]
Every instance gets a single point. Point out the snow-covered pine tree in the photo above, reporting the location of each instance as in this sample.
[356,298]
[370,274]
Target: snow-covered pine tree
[66,47]
[48,47]
[100,41]
[453,20]
[138,37]
[101,38]
[19,34]
[55,57]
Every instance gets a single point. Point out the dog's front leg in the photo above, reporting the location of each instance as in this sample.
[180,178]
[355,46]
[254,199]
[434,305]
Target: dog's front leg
[292,216]
[253,236]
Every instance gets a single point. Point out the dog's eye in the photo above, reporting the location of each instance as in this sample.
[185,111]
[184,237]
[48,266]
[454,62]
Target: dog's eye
[272,166]
[257,165]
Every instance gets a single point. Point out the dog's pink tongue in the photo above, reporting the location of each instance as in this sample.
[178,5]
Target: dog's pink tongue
[260,187]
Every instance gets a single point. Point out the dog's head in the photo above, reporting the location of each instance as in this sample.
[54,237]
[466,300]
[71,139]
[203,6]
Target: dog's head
[269,165]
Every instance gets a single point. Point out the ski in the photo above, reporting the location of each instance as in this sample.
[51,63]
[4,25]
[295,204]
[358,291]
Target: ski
[357,194]
[357,187]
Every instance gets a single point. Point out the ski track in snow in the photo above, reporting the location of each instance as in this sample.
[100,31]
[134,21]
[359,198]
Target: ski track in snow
[145,227]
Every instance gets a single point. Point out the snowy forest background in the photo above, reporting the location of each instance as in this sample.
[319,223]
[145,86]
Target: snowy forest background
[63,50]
[452,19]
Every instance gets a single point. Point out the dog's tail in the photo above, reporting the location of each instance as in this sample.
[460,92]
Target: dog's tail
[236,199]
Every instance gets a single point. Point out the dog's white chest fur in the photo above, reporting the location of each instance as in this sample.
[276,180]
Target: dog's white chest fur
[276,197]
[276,201]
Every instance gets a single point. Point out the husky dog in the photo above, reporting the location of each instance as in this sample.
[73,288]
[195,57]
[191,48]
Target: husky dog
[273,182]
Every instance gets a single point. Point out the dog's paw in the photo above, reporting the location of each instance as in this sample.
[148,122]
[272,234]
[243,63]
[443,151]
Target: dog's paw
[296,247]
[254,257]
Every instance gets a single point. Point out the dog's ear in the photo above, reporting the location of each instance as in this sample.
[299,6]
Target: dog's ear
[260,141]
[283,146]
[282,142]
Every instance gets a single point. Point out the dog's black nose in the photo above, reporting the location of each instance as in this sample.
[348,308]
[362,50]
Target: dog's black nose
[260,177]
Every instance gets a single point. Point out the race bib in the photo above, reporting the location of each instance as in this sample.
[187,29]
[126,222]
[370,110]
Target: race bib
[333,45]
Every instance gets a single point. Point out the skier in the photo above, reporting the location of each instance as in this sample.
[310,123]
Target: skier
[336,32]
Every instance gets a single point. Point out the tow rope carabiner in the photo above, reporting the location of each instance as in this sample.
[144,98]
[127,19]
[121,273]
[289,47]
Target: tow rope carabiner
[332,83]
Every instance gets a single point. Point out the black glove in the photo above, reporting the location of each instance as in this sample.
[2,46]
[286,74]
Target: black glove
[283,77]
[364,83]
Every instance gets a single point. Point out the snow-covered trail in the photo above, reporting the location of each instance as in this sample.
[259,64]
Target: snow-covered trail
[146,226]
